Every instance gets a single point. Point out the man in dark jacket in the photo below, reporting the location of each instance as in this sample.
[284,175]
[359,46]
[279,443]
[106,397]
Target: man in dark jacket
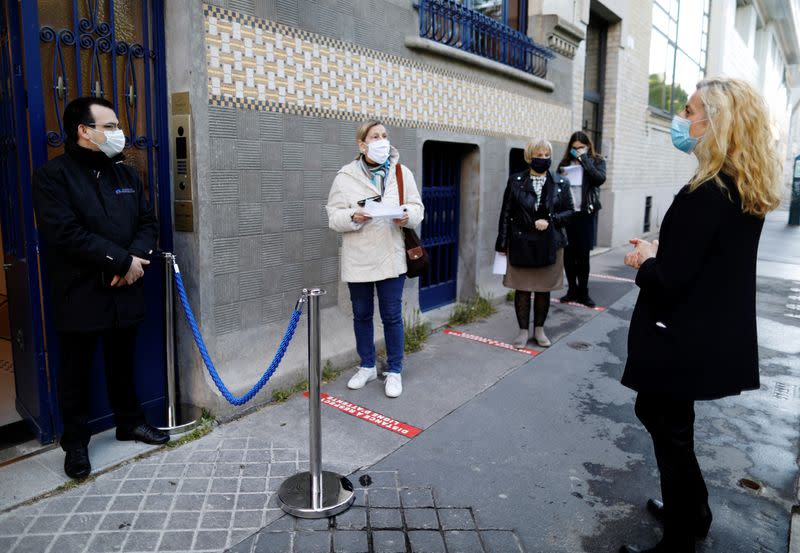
[98,229]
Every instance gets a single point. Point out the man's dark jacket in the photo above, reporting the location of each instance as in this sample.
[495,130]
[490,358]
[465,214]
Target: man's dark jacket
[93,216]
[693,331]
[519,211]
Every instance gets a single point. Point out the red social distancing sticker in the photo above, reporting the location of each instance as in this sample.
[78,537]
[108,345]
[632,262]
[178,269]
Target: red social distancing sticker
[369,415]
[489,341]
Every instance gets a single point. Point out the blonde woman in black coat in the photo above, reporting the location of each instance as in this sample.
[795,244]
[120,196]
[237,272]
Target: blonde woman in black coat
[536,206]
[693,331]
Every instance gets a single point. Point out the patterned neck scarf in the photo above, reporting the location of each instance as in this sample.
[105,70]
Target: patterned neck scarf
[377,174]
[538,185]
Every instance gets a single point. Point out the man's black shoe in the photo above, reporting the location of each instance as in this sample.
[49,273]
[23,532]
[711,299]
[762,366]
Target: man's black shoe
[701,526]
[587,301]
[144,433]
[76,462]
[568,297]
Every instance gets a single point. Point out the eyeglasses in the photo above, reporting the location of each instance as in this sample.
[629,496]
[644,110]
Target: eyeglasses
[362,203]
[106,127]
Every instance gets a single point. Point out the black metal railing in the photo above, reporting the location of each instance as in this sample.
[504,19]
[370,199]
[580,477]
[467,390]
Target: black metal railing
[453,24]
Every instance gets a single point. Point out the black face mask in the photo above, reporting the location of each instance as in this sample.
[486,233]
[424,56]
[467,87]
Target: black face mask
[540,164]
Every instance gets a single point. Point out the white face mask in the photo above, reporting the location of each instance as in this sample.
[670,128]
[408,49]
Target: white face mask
[114,144]
[378,151]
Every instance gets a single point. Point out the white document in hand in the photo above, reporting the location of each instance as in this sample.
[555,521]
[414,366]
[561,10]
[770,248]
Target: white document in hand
[377,210]
[500,265]
[575,175]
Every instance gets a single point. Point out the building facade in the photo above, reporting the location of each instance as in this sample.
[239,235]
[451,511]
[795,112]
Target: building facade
[260,99]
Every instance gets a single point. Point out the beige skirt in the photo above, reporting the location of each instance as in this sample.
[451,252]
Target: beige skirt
[536,279]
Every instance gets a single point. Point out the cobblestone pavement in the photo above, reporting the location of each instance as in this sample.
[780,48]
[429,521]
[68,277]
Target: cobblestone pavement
[204,496]
[386,518]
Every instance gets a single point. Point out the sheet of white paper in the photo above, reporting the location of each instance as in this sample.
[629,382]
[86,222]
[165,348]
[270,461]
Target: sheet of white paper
[575,176]
[377,210]
[500,264]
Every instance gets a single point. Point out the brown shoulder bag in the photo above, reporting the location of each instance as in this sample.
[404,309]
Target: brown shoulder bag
[416,256]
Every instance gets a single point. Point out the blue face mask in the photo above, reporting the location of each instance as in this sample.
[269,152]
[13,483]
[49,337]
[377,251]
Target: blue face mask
[681,138]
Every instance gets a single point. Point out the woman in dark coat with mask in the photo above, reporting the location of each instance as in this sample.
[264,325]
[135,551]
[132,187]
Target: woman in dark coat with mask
[581,228]
[536,206]
[693,331]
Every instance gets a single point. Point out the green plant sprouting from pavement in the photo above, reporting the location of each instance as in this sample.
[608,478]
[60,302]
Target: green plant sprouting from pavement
[206,425]
[479,307]
[416,332]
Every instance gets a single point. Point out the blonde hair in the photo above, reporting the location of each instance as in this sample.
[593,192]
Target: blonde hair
[534,145]
[363,130]
[738,142]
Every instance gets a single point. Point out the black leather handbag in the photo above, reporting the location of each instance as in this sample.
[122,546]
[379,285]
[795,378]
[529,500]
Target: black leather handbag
[417,260]
[532,248]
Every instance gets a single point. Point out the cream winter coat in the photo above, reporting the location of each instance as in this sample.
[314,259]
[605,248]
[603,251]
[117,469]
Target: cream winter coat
[374,250]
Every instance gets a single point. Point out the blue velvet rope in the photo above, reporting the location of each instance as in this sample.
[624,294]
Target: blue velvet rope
[198,339]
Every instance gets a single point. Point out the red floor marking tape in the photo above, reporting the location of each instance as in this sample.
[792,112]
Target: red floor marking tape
[576,304]
[609,277]
[368,415]
[489,341]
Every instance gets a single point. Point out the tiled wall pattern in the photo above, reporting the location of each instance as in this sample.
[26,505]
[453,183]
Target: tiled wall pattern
[267,66]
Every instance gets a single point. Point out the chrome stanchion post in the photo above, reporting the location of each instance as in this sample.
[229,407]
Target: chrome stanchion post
[184,417]
[316,493]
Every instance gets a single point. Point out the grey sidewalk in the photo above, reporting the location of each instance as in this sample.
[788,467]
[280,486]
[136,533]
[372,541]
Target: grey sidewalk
[518,453]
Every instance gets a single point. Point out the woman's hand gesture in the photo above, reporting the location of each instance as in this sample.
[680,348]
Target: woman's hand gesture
[541,224]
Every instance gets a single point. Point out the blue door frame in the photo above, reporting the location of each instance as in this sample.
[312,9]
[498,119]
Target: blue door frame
[441,187]
[36,390]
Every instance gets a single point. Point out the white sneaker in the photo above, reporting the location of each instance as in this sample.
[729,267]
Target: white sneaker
[394,385]
[362,376]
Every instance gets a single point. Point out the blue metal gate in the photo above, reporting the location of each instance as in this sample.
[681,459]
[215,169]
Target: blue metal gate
[113,49]
[441,184]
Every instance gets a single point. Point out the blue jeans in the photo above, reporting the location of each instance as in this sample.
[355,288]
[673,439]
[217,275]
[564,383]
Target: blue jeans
[390,303]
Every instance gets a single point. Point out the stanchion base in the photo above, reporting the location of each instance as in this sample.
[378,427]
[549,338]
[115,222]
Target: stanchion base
[294,495]
[188,418]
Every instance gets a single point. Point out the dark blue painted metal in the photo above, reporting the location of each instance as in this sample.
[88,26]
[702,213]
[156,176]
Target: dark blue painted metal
[452,23]
[441,172]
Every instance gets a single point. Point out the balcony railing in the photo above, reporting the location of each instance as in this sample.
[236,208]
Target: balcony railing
[453,24]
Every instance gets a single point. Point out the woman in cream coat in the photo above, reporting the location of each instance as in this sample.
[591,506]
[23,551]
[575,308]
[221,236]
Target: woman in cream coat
[373,253]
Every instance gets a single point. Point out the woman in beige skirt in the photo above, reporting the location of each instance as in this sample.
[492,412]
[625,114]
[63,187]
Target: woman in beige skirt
[536,207]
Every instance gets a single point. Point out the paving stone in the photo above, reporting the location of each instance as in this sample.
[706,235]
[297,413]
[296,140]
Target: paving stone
[360,498]
[283,455]
[383,498]
[183,520]
[134,487]
[255,470]
[176,541]
[355,518]
[170,471]
[421,519]
[224,485]
[349,541]
[417,497]
[165,485]
[234,443]
[214,540]
[282,469]
[194,485]
[126,503]
[424,541]
[82,522]
[253,485]
[312,542]
[114,522]
[463,541]
[385,518]
[186,502]
[60,505]
[389,541]
[239,535]
[231,470]
[274,483]
[375,479]
[283,524]
[216,519]
[46,524]
[251,501]
[68,543]
[149,521]
[311,523]
[143,471]
[500,541]
[247,519]
[15,525]
[93,504]
[106,486]
[199,470]
[106,541]
[7,542]
[141,541]
[269,542]
[456,519]
[220,502]
[232,456]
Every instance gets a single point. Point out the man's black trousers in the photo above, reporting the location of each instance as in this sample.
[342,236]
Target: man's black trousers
[670,423]
[77,354]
